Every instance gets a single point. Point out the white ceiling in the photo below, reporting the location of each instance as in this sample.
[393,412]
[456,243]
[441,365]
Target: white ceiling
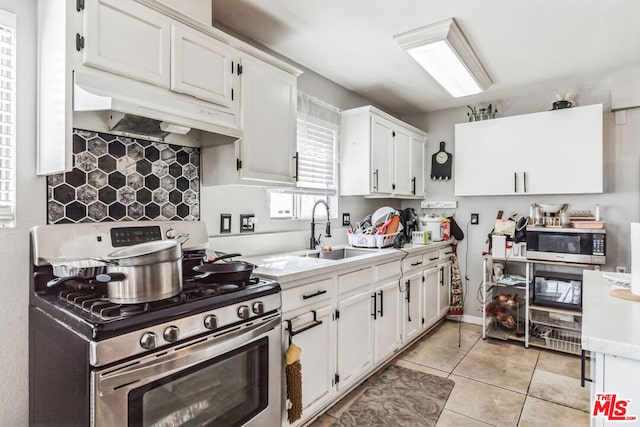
[526,46]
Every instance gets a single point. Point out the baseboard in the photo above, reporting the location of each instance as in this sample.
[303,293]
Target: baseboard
[465,318]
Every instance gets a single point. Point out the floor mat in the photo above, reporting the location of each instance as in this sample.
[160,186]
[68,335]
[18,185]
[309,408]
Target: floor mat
[399,397]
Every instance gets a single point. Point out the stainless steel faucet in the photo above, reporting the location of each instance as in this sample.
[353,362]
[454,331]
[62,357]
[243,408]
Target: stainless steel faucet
[313,241]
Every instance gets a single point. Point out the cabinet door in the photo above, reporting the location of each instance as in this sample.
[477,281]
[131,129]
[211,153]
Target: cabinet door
[444,288]
[417,165]
[430,299]
[411,316]
[317,357]
[485,160]
[381,155]
[127,38]
[355,335]
[402,162]
[204,67]
[387,320]
[268,117]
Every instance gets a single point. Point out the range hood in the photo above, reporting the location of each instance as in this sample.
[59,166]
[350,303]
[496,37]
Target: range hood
[141,109]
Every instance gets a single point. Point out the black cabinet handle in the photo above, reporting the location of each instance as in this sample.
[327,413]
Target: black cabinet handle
[408,282]
[375,174]
[375,310]
[441,276]
[297,166]
[381,310]
[413,185]
[583,373]
[416,263]
[433,259]
[524,181]
[313,324]
[515,182]
[314,294]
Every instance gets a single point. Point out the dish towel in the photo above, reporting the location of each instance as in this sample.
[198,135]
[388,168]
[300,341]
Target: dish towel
[456,307]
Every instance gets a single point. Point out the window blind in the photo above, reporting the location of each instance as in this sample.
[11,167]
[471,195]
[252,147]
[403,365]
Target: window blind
[7,118]
[316,156]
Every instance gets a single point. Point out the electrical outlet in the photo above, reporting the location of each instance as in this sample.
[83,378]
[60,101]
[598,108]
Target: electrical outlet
[247,223]
[475,218]
[346,219]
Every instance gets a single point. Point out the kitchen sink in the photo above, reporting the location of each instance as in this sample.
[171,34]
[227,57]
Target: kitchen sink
[337,254]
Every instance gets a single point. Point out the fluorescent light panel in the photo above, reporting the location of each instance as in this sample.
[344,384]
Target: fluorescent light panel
[444,52]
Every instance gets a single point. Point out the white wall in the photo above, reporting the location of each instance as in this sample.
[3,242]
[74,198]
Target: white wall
[620,203]
[14,243]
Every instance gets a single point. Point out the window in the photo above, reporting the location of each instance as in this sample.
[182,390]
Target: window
[318,128]
[7,118]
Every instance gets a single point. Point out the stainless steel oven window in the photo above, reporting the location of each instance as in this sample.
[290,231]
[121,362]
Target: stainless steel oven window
[227,391]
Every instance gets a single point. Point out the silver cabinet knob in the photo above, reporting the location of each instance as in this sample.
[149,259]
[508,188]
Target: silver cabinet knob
[148,340]
[171,334]
[258,307]
[244,312]
[171,233]
[210,321]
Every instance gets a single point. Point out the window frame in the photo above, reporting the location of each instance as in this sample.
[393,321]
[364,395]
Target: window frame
[8,120]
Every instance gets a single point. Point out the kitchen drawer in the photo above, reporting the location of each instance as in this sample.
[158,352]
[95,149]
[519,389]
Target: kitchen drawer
[387,270]
[354,280]
[431,258]
[311,293]
[411,262]
[445,253]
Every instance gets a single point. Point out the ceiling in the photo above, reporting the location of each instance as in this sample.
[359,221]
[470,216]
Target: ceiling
[525,47]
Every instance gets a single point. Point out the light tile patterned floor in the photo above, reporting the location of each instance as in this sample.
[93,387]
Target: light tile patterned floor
[496,383]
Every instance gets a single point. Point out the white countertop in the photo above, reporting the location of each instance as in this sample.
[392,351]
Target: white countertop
[608,323]
[290,267]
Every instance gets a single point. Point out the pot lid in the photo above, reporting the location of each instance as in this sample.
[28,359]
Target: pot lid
[143,249]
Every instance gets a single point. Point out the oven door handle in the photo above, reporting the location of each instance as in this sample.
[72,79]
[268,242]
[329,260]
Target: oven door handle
[153,367]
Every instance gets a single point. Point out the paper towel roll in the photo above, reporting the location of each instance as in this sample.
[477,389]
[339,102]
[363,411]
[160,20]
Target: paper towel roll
[635,258]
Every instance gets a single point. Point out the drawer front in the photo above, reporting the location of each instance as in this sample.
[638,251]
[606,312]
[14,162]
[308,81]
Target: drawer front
[445,253]
[304,295]
[386,271]
[350,281]
[411,262]
[431,258]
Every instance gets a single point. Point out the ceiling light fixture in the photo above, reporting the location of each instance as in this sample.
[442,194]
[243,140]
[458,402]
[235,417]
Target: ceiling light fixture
[443,50]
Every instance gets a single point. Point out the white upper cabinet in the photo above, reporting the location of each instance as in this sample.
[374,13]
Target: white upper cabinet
[552,152]
[265,155]
[380,156]
[204,67]
[127,38]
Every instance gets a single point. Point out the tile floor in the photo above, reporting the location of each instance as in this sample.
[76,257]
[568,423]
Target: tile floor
[497,383]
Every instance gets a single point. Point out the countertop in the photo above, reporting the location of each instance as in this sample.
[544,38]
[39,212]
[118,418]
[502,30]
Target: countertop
[608,323]
[290,267]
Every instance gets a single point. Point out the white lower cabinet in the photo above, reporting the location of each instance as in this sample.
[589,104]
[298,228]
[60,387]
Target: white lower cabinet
[430,300]
[355,337]
[616,376]
[412,294]
[444,288]
[386,315]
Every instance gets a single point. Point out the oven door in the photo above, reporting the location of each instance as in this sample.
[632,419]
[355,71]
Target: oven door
[229,379]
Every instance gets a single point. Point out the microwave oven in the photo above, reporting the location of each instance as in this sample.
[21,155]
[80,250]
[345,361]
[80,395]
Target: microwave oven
[584,245]
[559,290]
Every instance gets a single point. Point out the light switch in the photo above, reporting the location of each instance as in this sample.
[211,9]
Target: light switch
[225,223]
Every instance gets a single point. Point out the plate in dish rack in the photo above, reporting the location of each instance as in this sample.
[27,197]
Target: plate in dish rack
[618,280]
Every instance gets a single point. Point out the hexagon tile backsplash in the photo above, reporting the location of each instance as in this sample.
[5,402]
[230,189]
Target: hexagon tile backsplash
[116,178]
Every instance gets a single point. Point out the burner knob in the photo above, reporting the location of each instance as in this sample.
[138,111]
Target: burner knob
[244,312]
[148,340]
[171,233]
[258,307]
[171,334]
[210,321]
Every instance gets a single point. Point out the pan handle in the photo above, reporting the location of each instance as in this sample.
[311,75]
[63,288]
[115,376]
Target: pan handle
[111,277]
[105,260]
[221,257]
[60,280]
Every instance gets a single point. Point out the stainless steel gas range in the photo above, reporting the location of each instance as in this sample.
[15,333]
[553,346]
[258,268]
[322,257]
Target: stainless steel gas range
[208,356]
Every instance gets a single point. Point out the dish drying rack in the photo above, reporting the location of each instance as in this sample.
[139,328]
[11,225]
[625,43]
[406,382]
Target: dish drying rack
[371,240]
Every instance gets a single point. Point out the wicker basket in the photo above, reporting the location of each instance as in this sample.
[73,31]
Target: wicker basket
[371,240]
